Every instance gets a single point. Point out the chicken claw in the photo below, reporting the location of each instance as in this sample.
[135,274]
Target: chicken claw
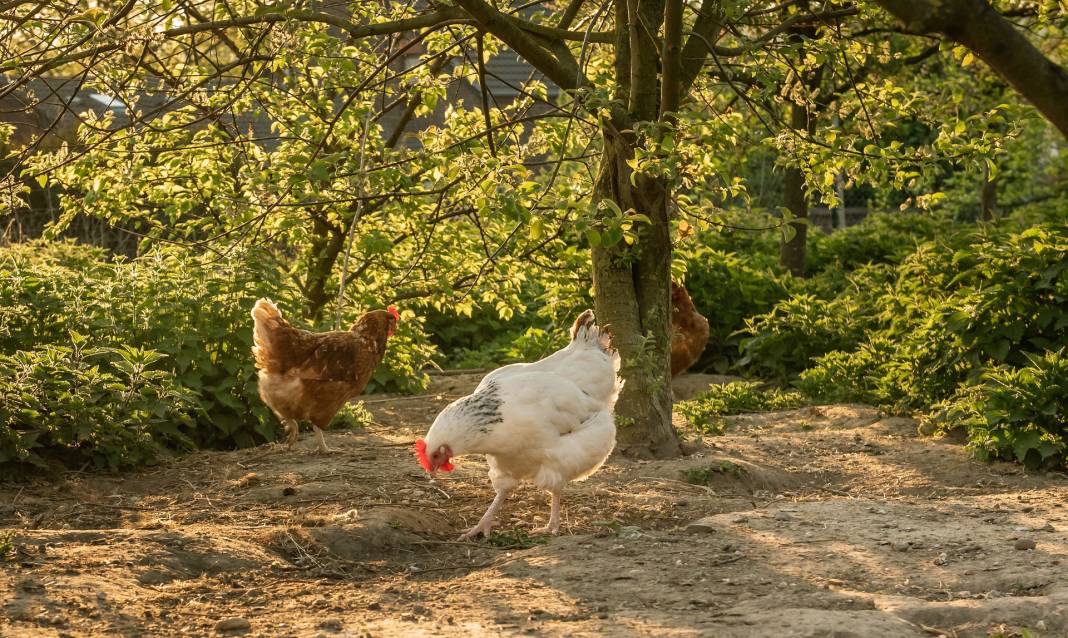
[483,528]
[488,520]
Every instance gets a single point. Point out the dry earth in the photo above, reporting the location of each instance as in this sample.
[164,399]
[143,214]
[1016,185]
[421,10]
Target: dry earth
[829,521]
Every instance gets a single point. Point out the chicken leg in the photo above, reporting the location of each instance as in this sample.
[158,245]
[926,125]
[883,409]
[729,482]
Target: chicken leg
[554,518]
[292,430]
[321,449]
[488,520]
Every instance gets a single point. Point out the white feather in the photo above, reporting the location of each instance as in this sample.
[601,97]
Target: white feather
[556,416]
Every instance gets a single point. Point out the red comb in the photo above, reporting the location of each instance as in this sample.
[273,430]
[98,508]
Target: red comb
[393,311]
[420,453]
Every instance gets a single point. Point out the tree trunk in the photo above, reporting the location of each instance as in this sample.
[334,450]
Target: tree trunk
[326,246]
[631,297]
[792,251]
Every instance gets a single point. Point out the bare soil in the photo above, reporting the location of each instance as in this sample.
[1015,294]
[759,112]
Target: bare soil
[828,521]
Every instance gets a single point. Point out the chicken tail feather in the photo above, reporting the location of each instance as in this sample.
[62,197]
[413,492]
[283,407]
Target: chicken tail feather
[267,319]
[585,329]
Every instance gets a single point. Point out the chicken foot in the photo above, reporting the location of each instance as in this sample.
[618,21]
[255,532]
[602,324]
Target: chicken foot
[321,449]
[554,518]
[488,520]
[292,430]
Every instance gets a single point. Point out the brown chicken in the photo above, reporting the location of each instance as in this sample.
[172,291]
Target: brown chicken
[308,376]
[689,331]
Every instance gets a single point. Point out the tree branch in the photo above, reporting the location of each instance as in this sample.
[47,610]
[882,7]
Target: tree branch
[977,25]
[706,27]
[504,27]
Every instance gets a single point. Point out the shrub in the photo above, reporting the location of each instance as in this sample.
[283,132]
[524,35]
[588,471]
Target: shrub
[104,406]
[1014,413]
[803,327]
[727,288]
[192,312]
[880,238]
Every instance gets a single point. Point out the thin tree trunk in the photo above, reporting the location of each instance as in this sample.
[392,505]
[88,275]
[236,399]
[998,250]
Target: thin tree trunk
[792,251]
[326,246]
[988,196]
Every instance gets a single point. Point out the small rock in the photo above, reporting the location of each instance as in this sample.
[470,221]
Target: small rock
[942,559]
[1040,625]
[1024,544]
[374,606]
[740,519]
[703,525]
[1048,527]
[232,624]
[783,516]
[331,624]
[899,546]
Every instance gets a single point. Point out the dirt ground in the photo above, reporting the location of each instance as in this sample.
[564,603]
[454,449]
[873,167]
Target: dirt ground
[829,521]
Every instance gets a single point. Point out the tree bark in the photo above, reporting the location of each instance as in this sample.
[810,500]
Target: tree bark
[631,283]
[326,245]
[631,297]
[979,27]
[792,251]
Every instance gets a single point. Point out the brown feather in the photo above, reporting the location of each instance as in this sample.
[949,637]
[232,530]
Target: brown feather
[689,331]
[309,376]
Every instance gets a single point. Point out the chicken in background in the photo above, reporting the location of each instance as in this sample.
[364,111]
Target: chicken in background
[309,376]
[689,331]
[547,423]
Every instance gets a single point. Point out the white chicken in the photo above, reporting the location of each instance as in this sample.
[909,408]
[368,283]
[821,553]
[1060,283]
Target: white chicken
[548,422]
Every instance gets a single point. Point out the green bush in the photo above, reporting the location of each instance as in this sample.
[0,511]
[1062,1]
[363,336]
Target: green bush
[880,238]
[1014,413]
[799,329]
[103,406]
[193,312]
[704,411]
[969,327]
[727,288]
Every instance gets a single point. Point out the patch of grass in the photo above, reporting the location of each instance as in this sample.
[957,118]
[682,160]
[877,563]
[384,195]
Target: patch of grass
[704,475]
[7,545]
[704,411]
[517,538]
[352,415]
[617,528]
